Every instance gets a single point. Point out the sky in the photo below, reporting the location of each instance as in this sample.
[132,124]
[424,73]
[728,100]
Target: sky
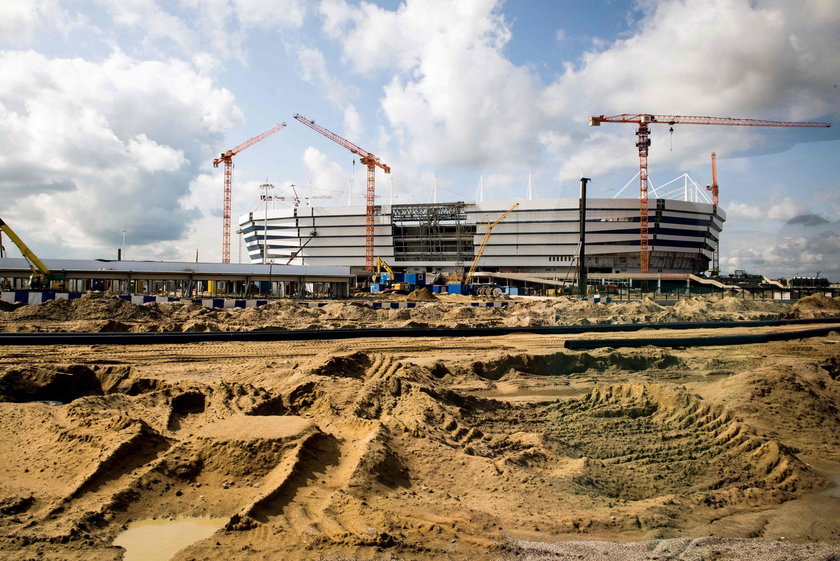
[111,112]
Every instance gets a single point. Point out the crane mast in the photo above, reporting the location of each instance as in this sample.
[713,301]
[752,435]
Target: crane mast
[643,120]
[227,158]
[369,160]
[715,269]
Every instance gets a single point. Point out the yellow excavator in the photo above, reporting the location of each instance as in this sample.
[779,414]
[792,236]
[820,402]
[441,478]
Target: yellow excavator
[41,276]
[391,285]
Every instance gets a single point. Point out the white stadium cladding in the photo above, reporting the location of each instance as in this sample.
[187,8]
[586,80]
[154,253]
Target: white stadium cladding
[538,236]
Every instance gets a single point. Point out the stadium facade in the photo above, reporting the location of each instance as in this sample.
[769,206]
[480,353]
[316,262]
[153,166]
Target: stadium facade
[539,236]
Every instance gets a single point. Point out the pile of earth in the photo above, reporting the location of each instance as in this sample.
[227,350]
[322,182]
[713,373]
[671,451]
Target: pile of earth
[421,295]
[97,312]
[816,306]
[93,305]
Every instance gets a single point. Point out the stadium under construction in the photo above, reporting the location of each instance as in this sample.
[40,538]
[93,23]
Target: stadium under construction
[539,242]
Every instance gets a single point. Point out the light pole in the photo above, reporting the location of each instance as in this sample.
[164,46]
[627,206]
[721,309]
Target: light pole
[122,247]
[239,233]
[265,187]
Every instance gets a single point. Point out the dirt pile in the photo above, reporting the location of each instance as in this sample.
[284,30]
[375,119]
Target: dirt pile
[92,305]
[315,450]
[421,295]
[562,363]
[98,312]
[677,438]
[730,308]
[815,306]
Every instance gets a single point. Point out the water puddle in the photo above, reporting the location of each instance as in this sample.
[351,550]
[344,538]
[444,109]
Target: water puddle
[160,540]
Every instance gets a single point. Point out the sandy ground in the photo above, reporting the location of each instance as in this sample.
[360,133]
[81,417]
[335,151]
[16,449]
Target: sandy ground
[97,312]
[430,448]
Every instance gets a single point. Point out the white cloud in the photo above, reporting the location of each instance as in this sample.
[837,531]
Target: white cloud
[151,156]
[313,67]
[352,123]
[90,149]
[454,97]
[154,20]
[22,21]
[746,211]
[722,58]
[785,209]
[200,27]
[267,13]
[326,176]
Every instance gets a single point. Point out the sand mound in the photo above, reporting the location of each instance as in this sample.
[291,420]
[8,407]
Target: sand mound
[98,312]
[818,301]
[816,305]
[421,295]
[314,451]
[678,438]
[353,365]
[91,306]
[562,363]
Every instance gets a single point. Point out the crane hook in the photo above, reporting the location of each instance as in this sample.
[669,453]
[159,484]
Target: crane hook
[671,129]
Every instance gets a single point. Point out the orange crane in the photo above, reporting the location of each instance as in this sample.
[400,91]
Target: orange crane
[715,269]
[227,158]
[714,186]
[372,162]
[643,143]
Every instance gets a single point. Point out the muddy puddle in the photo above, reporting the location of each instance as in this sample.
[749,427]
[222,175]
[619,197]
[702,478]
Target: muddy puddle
[160,540]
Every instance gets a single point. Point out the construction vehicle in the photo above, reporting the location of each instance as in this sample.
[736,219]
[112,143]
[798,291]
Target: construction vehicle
[41,276]
[389,281]
[643,144]
[468,286]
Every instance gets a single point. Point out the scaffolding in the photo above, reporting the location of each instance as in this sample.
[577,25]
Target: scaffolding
[432,232]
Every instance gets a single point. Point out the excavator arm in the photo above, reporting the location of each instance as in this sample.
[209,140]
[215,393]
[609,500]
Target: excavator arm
[484,240]
[380,264]
[40,272]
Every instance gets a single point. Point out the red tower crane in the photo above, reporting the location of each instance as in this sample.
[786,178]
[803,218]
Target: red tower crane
[227,158]
[643,143]
[714,186]
[372,162]
[715,269]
